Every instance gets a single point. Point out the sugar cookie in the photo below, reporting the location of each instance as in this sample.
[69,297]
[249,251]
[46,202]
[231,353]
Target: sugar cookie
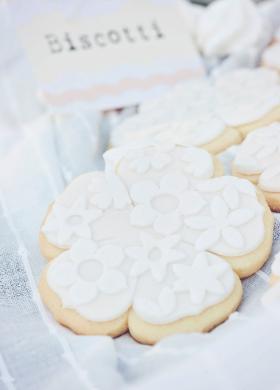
[248,98]
[152,245]
[258,160]
[212,114]
[206,131]
[185,116]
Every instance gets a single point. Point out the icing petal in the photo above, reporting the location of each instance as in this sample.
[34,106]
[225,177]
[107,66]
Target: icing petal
[233,237]
[83,231]
[83,250]
[62,273]
[65,235]
[240,216]
[231,197]
[219,209]
[197,295]
[118,190]
[216,287]
[246,187]
[82,292]
[207,239]
[270,179]
[219,269]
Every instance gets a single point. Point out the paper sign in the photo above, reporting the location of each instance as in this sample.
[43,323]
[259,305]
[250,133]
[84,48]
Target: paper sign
[111,53]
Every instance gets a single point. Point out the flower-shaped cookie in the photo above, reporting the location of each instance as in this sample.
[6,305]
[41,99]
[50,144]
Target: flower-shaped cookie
[151,244]
[258,160]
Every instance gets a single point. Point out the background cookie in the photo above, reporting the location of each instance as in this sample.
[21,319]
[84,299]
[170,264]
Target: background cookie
[248,98]
[207,132]
[258,160]
[186,115]
[212,114]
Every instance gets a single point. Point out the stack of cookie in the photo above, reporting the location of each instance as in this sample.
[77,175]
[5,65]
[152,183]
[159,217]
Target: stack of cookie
[158,242]
[258,160]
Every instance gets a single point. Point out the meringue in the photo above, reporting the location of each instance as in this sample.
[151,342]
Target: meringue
[229,26]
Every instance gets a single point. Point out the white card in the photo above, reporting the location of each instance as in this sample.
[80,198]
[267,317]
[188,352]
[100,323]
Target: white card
[111,53]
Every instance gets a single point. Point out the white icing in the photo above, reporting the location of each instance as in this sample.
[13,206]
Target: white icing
[198,112]
[108,192]
[190,161]
[157,211]
[91,279]
[260,154]
[142,163]
[246,95]
[154,255]
[195,131]
[269,180]
[184,116]
[275,268]
[232,222]
[161,206]
[228,27]
[201,281]
[66,224]
[184,99]
[271,56]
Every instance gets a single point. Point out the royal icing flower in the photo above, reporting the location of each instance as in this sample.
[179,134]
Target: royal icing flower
[163,205]
[108,192]
[142,163]
[223,222]
[67,224]
[197,163]
[154,255]
[259,150]
[87,270]
[199,278]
